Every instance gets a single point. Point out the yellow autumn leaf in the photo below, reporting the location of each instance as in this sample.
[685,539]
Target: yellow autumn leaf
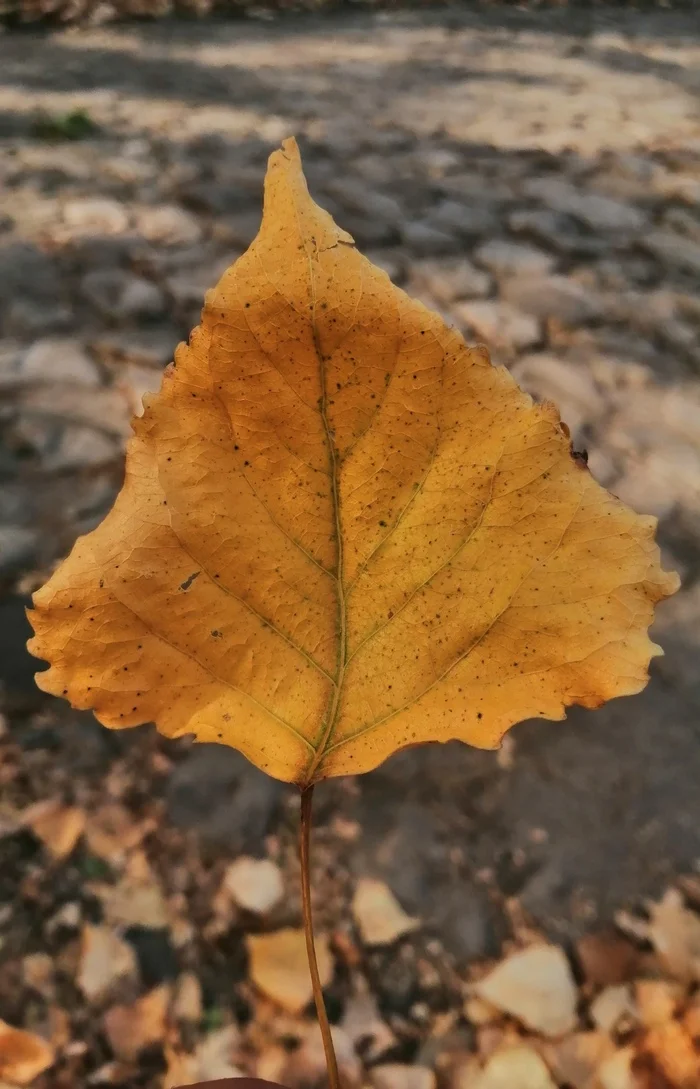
[342,531]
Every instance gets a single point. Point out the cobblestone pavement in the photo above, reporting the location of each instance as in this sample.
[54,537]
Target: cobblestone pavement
[536,179]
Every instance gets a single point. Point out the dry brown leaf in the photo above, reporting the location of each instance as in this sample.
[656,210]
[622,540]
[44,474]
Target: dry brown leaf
[675,934]
[691,1020]
[519,1066]
[673,1051]
[616,1072]
[279,966]
[104,960]
[613,1009]
[58,826]
[576,1059]
[131,1029]
[400,1076]
[364,1024]
[137,899]
[23,1055]
[536,986]
[38,973]
[343,532]
[180,1069]
[607,958]
[254,883]
[307,1063]
[270,1065]
[214,1055]
[378,914]
[480,1012]
[59,1027]
[187,1000]
[112,832]
[657,1000]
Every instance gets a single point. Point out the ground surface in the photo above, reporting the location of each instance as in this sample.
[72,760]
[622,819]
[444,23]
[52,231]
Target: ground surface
[534,177]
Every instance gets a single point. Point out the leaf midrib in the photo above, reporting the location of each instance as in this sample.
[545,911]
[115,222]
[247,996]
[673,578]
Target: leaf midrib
[340,587]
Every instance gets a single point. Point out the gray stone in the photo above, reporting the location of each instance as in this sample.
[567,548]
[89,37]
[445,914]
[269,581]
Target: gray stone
[556,230]
[18,545]
[597,212]
[356,196]
[122,295]
[237,230]
[168,224]
[673,186]
[187,289]
[501,326]
[95,215]
[29,317]
[82,448]
[505,259]
[425,239]
[467,220]
[569,385]
[62,446]
[149,347]
[553,297]
[673,251]
[219,794]
[12,356]
[59,359]
[683,222]
[658,481]
[106,409]
[450,279]
[26,273]
[677,628]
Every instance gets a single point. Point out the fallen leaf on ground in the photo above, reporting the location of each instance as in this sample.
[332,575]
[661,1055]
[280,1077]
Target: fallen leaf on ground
[607,958]
[37,971]
[576,1059]
[58,826]
[480,1012]
[255,884]
[104,960]
[691,1019]
[613,1007]
[136,900]
[675,934]
[279,966]
[112,832]
[364,1024]
[616,1072]
[23,1055]
[657,1000]
[130,1029]
[271,1064]
[674,1052]
[179,1069]
[307,1063]
[59,1027]
[378,914]
[513,1067]
[187,1000]
[213,1056]
[400,1076]
[536,986]
[343,532]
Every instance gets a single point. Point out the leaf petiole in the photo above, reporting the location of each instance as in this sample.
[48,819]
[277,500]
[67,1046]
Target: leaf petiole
[304,841]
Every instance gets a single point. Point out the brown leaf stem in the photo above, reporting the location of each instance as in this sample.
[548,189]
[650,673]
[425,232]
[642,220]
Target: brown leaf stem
[304,840]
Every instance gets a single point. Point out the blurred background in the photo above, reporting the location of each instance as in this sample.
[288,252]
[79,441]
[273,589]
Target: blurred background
[533,173]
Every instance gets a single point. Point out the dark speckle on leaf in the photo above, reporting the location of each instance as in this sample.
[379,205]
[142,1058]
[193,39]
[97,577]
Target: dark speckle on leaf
[188,581]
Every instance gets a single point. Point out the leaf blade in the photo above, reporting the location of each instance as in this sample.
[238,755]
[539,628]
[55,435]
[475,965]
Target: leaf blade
[343,532]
